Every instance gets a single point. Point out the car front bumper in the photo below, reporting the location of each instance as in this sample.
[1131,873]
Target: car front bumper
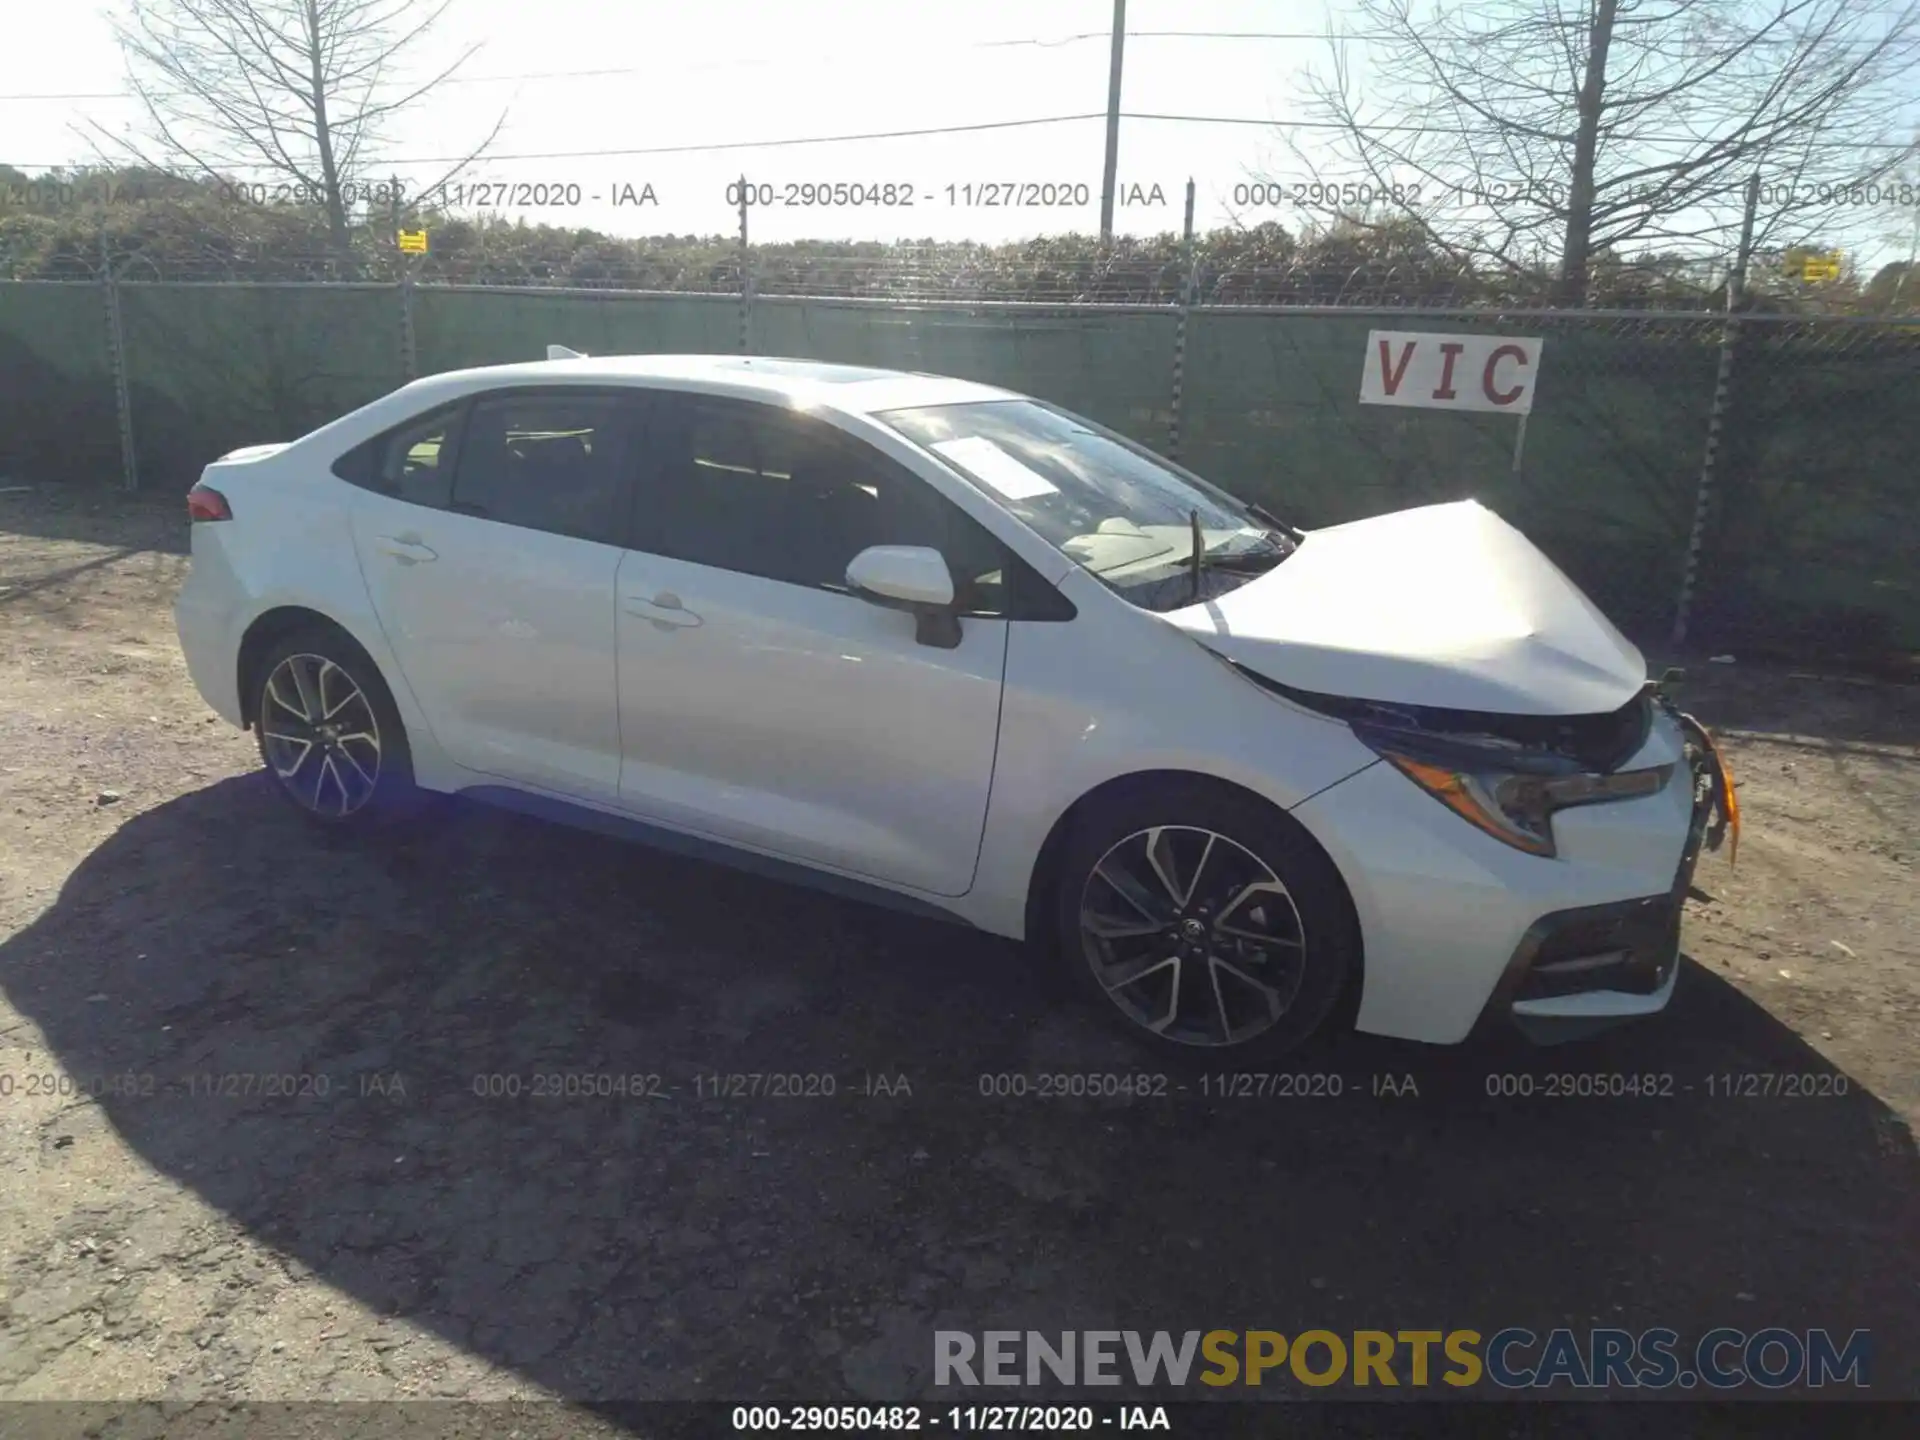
[1577,972]
[1461,934]
[1580,971]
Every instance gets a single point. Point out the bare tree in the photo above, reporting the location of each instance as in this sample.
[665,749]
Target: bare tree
[299,90]
[1546,133]
[1901,232]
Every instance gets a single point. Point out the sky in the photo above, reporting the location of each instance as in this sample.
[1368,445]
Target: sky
[782,72]
[574,76]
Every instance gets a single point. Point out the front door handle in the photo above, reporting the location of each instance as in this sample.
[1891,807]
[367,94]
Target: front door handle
[407,549]
[664,610]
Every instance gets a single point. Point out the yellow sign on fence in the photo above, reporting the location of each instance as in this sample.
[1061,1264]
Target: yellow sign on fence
[1814,265]
[413,242]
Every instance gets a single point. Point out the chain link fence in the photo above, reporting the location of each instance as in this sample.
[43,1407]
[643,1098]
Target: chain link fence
[1049,270]
[1806,546]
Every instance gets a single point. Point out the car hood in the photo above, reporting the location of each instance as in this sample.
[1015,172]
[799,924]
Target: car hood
[1444,605]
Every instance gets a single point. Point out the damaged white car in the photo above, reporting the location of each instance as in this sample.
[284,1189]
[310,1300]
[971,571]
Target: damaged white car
[947,647]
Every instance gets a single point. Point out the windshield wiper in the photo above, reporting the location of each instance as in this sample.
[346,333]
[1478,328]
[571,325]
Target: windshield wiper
[1253,562]
[1199,554]
[1246,562]
[1260,512]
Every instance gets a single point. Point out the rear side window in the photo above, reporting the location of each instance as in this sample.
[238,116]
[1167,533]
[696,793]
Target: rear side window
[544,462]
[413,462]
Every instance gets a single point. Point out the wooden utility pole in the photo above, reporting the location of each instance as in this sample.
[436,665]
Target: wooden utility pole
[1113,122]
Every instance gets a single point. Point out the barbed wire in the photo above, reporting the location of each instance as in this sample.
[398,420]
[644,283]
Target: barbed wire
[963,273]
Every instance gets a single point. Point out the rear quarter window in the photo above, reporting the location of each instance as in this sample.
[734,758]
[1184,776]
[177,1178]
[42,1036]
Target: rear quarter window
[411,462]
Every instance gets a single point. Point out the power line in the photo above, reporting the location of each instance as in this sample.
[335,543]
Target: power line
[514,77]
[700,149]
[1045,120]
[1037,121]
[1466,133]
[510,78]
[1032,43]
[778,144]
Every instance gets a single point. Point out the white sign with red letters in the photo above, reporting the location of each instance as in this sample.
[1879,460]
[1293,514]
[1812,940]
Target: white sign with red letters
[1490,373]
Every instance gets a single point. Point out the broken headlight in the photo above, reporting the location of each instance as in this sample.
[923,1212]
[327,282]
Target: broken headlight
[1507,775]
[1518,807]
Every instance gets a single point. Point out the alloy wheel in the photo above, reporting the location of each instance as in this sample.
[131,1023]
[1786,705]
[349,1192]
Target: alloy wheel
[320,735]
[1192,935]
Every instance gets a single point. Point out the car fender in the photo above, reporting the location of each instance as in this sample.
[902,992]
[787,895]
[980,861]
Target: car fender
[299,569]
[1076,715]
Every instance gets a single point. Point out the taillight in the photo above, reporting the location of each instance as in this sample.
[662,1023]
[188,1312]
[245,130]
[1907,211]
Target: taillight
[206,503]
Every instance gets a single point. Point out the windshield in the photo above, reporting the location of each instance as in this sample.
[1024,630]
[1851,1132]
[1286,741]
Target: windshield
[1112,506]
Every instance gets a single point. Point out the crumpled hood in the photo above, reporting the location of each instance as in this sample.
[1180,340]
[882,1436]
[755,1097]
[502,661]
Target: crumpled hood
[1444,605]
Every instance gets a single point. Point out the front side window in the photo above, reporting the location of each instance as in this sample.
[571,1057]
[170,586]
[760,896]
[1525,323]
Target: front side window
[765,491]
[1112,506]
[544,462]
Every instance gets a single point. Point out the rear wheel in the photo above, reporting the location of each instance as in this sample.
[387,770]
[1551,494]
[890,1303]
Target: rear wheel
[329,733]
[1206,923]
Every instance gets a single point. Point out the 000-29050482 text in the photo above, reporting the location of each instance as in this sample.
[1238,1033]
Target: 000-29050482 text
[897,193]
[963,1419]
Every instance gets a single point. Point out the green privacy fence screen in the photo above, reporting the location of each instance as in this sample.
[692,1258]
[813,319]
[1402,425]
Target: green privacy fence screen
[57,408]
[1811,544]
[1111,368]
[1609,469]
[223,366]
[457,329]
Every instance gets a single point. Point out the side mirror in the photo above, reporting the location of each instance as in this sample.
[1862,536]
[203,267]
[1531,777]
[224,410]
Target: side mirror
[913,578]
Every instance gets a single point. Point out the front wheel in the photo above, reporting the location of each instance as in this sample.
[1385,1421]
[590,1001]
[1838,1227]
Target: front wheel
[1205,922]
[329,733]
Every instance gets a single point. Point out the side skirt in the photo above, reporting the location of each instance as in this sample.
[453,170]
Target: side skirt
[696,847]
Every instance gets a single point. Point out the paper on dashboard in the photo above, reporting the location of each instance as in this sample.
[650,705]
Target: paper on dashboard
[994,467]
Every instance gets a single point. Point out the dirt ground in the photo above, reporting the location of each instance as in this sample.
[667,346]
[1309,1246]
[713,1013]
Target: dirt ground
[163,918]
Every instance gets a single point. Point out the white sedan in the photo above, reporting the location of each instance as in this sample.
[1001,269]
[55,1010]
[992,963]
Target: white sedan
[947,647]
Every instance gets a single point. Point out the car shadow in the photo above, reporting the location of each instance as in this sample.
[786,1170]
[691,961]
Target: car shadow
[609,1236]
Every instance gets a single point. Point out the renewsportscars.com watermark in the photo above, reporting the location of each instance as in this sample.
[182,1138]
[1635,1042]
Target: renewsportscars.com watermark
[1510,1359]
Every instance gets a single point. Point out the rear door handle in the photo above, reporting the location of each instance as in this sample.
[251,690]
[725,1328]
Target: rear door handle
[664,610]
[404,548]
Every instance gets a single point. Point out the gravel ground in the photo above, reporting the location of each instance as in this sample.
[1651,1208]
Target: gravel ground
[391,1230]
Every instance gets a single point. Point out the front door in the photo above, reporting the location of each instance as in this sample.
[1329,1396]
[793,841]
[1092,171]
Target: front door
[761,701]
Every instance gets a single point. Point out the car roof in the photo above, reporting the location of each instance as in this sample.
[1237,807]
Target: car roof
[858,389]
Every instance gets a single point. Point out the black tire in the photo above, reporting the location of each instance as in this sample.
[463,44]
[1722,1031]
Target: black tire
[315,787]
[1305,980]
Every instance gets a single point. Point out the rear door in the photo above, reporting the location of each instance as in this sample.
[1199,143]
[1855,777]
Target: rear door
[488,538]
[760,700]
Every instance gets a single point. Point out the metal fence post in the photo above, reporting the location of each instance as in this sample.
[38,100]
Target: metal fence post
[409,346]
[1177,413]
[409,349]
[117,361]
[746,276]
[1716,413]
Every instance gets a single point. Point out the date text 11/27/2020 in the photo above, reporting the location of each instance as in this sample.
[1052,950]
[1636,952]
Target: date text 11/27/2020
[905,194]
[890,194]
